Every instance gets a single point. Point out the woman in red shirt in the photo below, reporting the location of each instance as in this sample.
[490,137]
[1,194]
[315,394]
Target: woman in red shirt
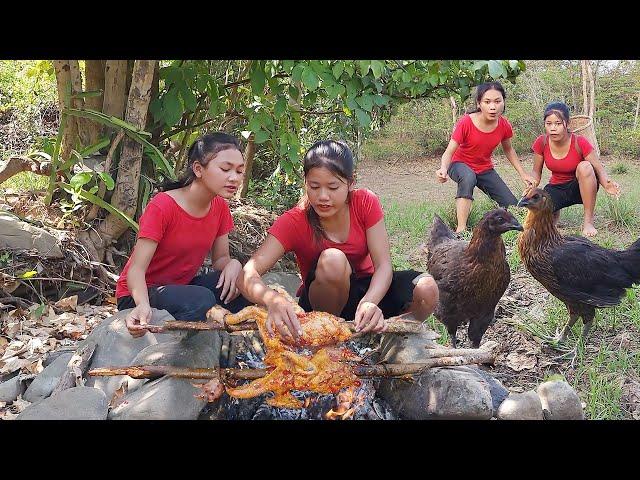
[342,249]
[178,228]
[468,157]
[576,172]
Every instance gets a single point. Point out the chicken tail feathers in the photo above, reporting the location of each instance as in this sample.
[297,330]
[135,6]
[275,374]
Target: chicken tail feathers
[631,258]
[440,231]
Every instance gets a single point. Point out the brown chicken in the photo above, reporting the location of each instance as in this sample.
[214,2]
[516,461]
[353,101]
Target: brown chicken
[471,276]
[580,273]
[323,372]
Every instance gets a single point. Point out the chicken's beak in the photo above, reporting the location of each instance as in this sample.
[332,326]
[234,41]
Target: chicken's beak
[524,201]
[517,226]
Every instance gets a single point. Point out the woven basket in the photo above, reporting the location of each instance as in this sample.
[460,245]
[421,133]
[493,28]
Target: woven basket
[583,125]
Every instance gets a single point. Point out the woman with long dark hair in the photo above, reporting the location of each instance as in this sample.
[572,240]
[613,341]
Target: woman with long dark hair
[179,227]
[468,157]
[340,242]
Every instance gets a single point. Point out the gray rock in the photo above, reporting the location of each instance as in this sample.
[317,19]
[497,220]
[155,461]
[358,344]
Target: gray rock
[50,357]
[46,381]
[406,348]
[497,390]
[170,398]
[166,398]
[440,393]
[289,281]
[19,235]
[11,389]
[77,403]
[560,401]
[447,392]
[521,406]
[115,347]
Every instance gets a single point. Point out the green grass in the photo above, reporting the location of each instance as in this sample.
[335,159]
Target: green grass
[25,182]
[620,169]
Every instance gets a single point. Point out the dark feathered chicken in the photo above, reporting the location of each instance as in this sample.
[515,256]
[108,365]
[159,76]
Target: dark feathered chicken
[582,274]
[471,276]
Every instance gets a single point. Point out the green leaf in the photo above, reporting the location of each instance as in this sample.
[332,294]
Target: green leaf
[170,74]
[254,124]
[479,65]
[381,100]
[363,118]
[108,180]
[365,101]
[280,107]
[496,69]
[377,67]
[80,179]
[337,69]
[262,136]
[172,108]
[287,65]
[94,189]
[296,73]
[350,69]
[258,80]
[364,66]
[310,78]
[91,149]
[101,203]
[189,99]
[335,90]
[29,274]
[202,83]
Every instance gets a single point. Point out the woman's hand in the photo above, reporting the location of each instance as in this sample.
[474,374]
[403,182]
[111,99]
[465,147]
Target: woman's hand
[612,188]
[227,280]
[529,180]
[369,318]
[441,175]
[137,319]
[280,313]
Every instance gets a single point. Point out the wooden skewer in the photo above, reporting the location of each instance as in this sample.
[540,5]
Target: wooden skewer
[380,370]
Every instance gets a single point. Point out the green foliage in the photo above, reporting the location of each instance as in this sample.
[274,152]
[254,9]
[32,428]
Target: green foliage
[620,169]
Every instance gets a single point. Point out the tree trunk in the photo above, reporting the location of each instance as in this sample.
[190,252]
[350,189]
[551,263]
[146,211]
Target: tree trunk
[454,110]
[249,155]
[592,91]
[115,93]
[585,94]
[84,124]
[94,75]
[63,80]
[125,196]
[635,120]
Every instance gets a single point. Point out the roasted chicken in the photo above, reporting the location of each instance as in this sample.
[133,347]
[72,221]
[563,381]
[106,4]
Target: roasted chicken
[323,372]
[471,276]
[580,273]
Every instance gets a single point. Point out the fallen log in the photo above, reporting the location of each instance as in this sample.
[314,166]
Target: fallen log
[380,370]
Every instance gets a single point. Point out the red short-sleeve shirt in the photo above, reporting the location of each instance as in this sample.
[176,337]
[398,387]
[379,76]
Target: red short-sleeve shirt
[475,147]
[563,170]
[183,240]
[293,231]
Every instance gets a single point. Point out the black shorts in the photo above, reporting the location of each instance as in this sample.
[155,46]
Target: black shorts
[565,194]
[489,182]
[396,301]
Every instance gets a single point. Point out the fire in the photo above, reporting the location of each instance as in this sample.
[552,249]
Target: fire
[347,404]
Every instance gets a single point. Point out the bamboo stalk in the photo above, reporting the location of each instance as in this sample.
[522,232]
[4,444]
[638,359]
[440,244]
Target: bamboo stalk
[380,370]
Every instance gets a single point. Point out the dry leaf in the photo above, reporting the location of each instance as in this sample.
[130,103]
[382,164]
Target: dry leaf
[518,361]
[13,364]
[8,283]
[70,330]
[19,405]
[111,300]
[15,348]
[35,367]
[12,329]
[3,345]
[67,304]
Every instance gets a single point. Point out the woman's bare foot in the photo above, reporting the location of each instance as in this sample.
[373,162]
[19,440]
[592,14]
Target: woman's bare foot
[463,229]
[589,230]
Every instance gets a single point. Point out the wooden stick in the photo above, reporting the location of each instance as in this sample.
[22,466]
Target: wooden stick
[381,370]
[393,326]
[76,368]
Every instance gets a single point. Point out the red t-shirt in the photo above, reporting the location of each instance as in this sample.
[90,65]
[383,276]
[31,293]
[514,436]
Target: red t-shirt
[183,240]
[476,147]
[293,231]
[563,170]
